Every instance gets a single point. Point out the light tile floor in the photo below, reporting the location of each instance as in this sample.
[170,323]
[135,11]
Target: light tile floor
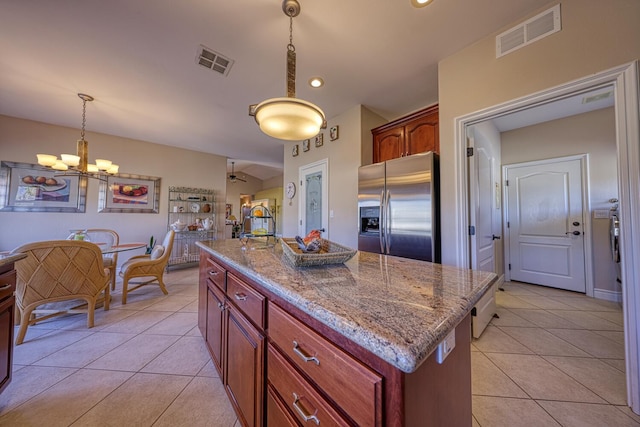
[142,364]
[552,358]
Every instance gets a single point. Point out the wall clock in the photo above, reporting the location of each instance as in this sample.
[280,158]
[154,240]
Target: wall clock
[290,190]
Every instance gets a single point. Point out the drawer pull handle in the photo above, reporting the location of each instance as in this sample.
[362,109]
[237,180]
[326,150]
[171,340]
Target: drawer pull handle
[5,287]
[213,273]
[297,350]
[305,416]
[240,296]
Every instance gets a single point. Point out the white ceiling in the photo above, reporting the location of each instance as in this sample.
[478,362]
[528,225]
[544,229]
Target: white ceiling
[138,59]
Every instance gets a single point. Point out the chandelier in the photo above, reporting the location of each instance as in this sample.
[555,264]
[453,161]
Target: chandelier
[289,118]
[70,164]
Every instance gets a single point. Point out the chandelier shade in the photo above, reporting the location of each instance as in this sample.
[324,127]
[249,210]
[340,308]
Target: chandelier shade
[289,118]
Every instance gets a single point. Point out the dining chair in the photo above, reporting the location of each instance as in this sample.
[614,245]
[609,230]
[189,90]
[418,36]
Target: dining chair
[56,271]
[106,238]
[149,267]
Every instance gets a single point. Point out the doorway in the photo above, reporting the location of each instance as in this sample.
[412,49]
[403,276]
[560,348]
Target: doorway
[624,82]
[545,205]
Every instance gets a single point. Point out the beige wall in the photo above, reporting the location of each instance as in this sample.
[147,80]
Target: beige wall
[595,36]
[344,158]
[591,133]
[20,140]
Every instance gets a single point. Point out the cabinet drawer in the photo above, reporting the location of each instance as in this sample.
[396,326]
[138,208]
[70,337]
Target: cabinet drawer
[277,414]
[247,299]
[7,284]
[303,401]
[353,386]
[215,273]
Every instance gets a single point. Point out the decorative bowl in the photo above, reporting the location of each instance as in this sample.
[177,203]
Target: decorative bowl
[329,253]
[178,226]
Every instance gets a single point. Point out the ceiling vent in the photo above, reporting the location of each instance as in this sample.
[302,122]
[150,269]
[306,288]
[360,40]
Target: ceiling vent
[531,30]
[213,61]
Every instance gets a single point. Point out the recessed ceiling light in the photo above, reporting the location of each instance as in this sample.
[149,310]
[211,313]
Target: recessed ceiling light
[316,82]
[420,3]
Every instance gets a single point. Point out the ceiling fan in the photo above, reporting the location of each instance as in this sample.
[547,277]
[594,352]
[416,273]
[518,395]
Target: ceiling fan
[232,176]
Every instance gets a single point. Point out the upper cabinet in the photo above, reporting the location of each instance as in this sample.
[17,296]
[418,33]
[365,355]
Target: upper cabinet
[415,133]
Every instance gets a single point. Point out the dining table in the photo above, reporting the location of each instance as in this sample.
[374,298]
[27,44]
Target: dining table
[121,247]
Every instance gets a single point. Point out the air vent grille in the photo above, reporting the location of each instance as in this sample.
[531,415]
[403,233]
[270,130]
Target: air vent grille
[213,61]
[531,30]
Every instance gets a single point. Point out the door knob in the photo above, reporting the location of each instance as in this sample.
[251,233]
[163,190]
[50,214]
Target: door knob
[576,223]
[494,237]
[575,233]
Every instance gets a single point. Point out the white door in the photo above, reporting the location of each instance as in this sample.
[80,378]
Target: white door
[483,200]
[484,217]
[314,206]
[545,223]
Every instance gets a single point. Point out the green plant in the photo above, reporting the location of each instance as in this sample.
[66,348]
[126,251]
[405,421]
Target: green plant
[150,246]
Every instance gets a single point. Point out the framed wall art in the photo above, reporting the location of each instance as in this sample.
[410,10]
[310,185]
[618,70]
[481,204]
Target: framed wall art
[25,187]
[294,151]
[306,145]
[333,133]
[319,139]
[127,193]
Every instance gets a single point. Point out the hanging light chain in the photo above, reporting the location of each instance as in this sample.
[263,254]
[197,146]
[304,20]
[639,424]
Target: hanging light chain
[84,117]
[291,58]
[291,46]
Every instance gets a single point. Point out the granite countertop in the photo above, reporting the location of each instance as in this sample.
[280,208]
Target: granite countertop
[397,308]
[8,258]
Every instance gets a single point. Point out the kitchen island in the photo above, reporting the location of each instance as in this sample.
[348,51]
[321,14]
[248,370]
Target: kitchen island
[353,344]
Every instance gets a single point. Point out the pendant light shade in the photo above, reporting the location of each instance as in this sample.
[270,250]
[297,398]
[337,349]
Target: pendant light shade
[289,118]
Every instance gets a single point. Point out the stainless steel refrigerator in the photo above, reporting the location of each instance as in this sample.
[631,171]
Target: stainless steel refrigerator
[399,206]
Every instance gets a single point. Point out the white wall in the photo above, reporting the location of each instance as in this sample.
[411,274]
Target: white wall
[20,140]
[344,157]
[592,133]
[595,36]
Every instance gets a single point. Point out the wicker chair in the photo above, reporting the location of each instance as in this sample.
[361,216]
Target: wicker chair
[108,238]
[150,267]
[59,270]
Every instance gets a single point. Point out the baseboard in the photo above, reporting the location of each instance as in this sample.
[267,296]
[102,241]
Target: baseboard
[607,295]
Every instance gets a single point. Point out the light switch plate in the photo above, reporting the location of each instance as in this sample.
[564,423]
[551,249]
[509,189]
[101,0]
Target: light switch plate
[445,347]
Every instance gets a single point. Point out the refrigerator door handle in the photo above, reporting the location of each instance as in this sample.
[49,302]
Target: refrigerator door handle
[381,222]
[387,224]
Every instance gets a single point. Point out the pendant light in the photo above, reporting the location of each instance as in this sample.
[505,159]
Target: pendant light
[70,164]
[289,118]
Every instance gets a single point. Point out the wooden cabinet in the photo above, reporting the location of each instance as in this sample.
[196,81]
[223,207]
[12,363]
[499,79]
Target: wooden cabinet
[7,307]
[277,414]
[282,367]
[233,320]
[413,134]
[344,380]
[244,367]
[215,325]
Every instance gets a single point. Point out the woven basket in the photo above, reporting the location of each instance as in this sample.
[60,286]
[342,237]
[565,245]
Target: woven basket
[330,253]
